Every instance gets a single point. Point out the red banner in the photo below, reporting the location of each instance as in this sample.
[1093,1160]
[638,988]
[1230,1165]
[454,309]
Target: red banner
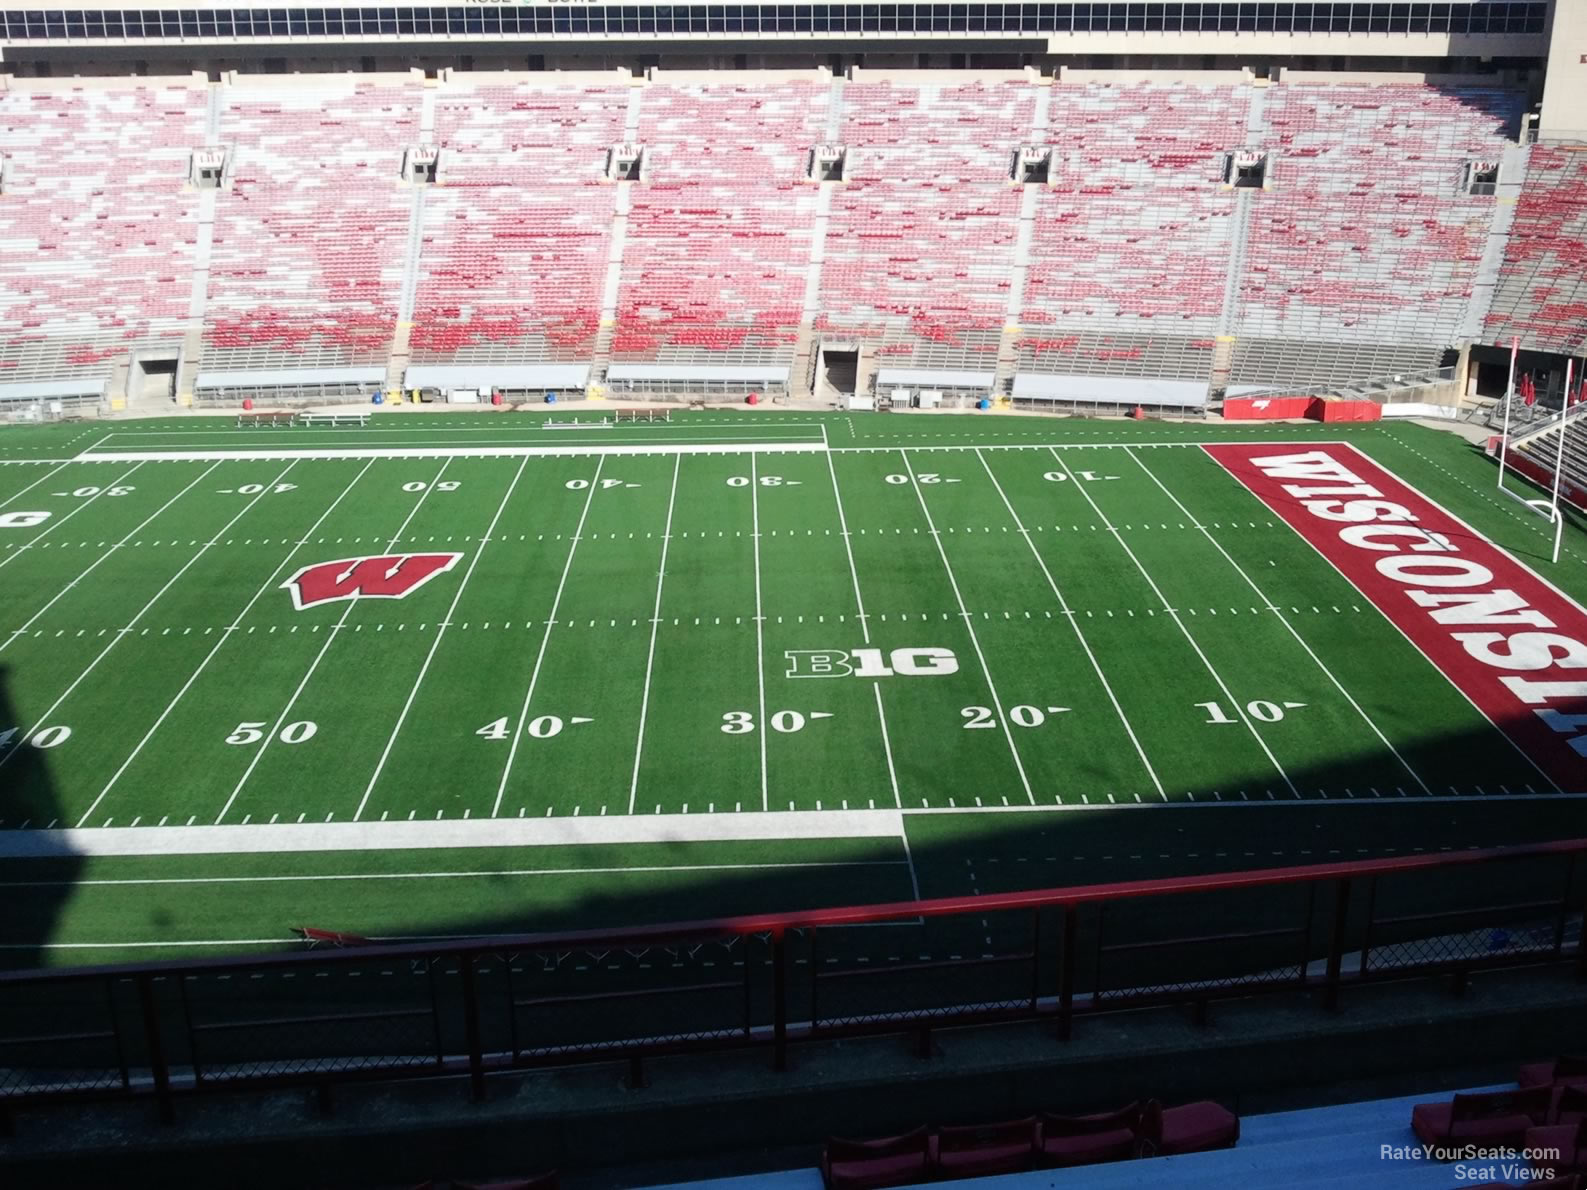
[1509,641]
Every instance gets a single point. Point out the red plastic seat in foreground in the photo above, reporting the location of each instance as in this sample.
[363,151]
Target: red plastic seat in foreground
[1492,1119]
[889,1161]
[978,1150]
[1087,1140]
[1192,1128]
[1569,1141]
[1565,1070]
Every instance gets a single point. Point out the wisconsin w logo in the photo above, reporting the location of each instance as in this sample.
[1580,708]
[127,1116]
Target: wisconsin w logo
[390,576]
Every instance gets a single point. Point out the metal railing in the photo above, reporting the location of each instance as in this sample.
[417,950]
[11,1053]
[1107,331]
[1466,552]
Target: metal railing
[1382,389]
[384,1012]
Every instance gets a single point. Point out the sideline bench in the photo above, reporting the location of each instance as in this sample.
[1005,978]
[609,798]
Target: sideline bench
[333,419]
[266,417]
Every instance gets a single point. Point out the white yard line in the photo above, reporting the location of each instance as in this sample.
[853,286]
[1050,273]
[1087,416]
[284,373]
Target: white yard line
[56,523]
[865,632]
[330,639]
[1074,622]
[269,585]
[121,633]
[104,557]
[758,445]
[480,874]
[1174,615]
[761,726]
[551,621]
[964,616]
[440,632]
[655,623]
[10,500]
[1283,619]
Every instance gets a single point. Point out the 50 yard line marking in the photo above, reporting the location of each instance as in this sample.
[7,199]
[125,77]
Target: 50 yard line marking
[269,585]
[551,621]
[155,598]
[964,616]
[1250,582]
[1174,615]
[760,624]
[655,623]
[436,643]
[4,644]
[1074,622]
[330,639]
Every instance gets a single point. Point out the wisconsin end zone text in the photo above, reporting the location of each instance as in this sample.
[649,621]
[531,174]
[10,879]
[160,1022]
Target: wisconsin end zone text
[1512,643]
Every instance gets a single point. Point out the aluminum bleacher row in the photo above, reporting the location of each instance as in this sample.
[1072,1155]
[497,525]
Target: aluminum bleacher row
[1129,261]
[1543,285]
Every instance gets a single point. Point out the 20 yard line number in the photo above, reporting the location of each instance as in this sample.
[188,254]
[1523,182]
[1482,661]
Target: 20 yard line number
[1023,715]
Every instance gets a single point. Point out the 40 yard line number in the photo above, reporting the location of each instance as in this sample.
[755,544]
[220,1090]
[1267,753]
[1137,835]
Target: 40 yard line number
[44,737]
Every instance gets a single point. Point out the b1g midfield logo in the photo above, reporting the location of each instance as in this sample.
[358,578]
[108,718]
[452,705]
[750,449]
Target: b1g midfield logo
[870,663]
[387,576]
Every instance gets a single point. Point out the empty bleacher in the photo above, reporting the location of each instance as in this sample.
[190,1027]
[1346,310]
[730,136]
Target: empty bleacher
[97,231]
[1366,235]
[1542,292]
[920,246]
[1134,258]
[307,260]
[516,238]
[718,243]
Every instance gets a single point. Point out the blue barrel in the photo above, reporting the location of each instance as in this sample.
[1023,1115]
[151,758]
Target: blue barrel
[551,398]
[379,399]
[983,403]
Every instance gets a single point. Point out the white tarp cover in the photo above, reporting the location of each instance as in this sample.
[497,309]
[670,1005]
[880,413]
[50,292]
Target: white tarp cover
[489,376]
[1110,390]
[933,378]
[284,377]
[32,390]
[736,372]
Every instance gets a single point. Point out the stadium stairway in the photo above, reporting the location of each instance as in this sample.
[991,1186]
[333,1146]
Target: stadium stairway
[1327,1148]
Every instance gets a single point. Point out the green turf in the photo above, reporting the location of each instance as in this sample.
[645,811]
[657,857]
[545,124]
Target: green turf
[1059,561]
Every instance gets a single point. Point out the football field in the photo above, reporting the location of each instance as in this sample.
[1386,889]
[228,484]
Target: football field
[445,675]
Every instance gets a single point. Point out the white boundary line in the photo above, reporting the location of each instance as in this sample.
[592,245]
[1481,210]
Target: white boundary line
[1074,622]
[761,726]
[964,617]
[12,499]
[545,641]
[430,834]
[655,624]
[121,633]
[269,585]
[92,566]
[1276,610]
[330,639]
[1174,615]
[440,631]
[756,446]
[57,523]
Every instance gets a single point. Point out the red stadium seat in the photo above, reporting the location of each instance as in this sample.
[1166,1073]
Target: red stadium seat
[978,1150]
[888,1161]
[1087,1140]
[1555,1073]
[1191,1128]
[1568,1140]
[1491,1119]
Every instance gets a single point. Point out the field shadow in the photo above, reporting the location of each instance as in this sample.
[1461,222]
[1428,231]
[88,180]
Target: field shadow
[39,886]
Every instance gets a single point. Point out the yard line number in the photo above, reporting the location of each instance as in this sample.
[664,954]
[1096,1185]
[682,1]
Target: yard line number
[45,737]
[1259,709]
[253,489]
[766,481]
[300,732]
[89,493]
[440,485]
[786,722]
[541,728]
[578,485]
[1023,715]
[22,520]
[920,477]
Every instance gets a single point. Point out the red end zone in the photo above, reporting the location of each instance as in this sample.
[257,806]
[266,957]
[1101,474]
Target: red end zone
[1515,646]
